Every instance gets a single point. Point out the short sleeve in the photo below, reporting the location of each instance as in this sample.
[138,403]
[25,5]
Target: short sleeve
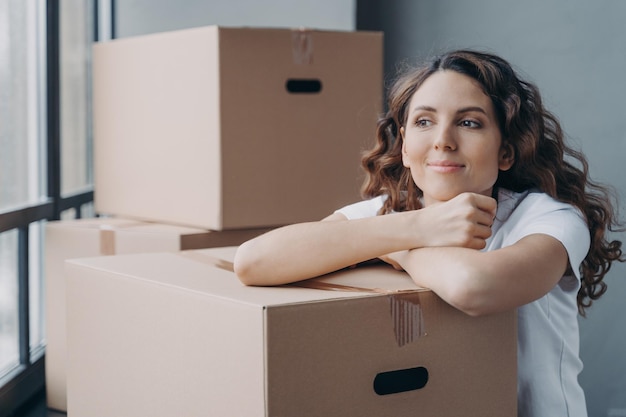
[544,215]
[362,209]
[567,226]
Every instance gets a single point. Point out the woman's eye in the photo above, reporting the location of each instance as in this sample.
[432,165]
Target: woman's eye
[423,123]
[470,123]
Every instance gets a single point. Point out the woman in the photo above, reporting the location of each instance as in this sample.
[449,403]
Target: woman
[472,190]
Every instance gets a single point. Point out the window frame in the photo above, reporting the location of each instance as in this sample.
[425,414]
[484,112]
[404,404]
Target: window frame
[28,378]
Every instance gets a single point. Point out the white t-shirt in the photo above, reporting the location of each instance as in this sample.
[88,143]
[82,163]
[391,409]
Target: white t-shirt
[548,337]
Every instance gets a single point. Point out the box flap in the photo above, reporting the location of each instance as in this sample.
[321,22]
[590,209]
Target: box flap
[203,271]
[373,277]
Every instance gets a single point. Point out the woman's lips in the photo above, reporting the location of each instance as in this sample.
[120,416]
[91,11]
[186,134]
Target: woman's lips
[445,166]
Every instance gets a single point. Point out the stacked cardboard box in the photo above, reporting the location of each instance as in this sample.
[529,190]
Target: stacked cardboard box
[228,131]
[226,128]
[178,334]
[99,237]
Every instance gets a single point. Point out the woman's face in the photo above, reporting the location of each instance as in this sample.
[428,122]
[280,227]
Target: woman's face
[451,142]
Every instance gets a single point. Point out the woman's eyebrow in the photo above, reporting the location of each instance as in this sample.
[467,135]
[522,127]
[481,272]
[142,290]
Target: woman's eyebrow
[423,108]
[471,109]
[459,111]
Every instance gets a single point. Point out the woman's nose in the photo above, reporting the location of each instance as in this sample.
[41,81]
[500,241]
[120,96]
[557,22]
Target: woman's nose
[444,139]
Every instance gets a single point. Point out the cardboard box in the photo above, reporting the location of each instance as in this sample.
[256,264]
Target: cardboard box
[224,128]
[105,236]
[178,334]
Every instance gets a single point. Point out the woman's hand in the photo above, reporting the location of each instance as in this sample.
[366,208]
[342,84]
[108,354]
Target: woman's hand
[465,221]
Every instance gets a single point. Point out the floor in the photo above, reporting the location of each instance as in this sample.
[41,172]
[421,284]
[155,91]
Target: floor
[36,407]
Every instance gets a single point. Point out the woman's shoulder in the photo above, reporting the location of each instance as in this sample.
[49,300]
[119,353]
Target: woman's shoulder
[535,212]
[522,214]
[531,202]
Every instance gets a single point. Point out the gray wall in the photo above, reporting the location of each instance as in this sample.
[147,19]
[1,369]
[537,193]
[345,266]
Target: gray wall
[137,17]
[575,51]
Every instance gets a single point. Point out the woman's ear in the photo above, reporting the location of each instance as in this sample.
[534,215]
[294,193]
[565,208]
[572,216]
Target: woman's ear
[506,157]
[405,158]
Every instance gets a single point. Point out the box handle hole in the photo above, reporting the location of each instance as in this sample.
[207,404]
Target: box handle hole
[401,380]
[303,86]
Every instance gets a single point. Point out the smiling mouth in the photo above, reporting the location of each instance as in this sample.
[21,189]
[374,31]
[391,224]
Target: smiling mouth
[445,166]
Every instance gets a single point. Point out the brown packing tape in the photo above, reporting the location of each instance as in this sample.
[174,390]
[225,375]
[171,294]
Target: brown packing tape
[404,308]
[209,260]
[329,286]
[107,236]
[302,47]
[407,318]
[107,241]
[106,232]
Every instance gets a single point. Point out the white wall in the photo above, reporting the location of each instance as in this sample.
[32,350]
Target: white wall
[136,17]
[575,51]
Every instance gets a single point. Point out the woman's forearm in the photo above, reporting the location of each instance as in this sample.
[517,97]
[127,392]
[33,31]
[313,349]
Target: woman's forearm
[307,250]
[479,283]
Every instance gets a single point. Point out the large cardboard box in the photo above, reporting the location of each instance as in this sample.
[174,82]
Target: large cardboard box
[178,334]
[105,236]
[226,128]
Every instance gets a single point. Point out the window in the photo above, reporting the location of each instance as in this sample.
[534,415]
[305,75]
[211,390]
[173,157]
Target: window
[21,168]
[45,165]
[76,37]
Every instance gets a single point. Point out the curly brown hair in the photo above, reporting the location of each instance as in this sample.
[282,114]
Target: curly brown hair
[542,158]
